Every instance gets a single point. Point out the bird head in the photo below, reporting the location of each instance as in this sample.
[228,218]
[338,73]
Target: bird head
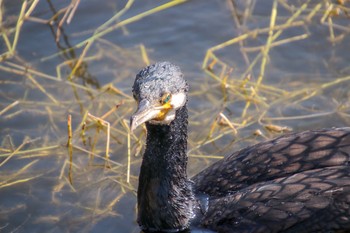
[159,91]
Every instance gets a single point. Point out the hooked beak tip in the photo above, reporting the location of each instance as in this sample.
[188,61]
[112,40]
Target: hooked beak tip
[132,125]
[145,112]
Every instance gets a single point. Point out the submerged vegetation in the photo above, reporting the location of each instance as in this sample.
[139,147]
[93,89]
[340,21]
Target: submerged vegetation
[65,138]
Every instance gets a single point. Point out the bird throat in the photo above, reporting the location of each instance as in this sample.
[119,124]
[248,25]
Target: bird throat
[165,198]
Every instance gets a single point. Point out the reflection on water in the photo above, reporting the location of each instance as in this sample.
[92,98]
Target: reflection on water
[38,92]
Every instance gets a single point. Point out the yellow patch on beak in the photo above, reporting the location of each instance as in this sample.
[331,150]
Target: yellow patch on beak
[165,108]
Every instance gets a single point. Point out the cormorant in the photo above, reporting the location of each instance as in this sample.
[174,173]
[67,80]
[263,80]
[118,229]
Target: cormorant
[298,182]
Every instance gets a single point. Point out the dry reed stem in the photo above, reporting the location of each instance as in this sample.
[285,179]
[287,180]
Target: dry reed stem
[228,122]
[23,15]
[102,122]
[8,107]
[144,55]
[70,148]
[277,128]
[80,60]
[266,49]
[31,151]
[24,180]
[13,153]
[126,126]
[207,156]
[68,15]
[111,88]
[18,27]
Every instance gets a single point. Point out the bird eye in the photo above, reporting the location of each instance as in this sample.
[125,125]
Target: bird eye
[166,98]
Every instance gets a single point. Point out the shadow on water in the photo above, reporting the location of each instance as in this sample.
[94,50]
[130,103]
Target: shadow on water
[59,59]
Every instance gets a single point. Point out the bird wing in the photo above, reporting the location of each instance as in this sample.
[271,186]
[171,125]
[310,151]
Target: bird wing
[280,157]
[317,200]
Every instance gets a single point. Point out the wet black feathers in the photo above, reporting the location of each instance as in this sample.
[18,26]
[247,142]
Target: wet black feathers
[298,182]
[164,195]
[282,156]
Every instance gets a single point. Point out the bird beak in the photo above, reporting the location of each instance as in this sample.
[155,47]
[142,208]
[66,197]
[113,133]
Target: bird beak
[145,112]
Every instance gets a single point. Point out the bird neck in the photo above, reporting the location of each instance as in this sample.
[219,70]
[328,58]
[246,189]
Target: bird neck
[165,199]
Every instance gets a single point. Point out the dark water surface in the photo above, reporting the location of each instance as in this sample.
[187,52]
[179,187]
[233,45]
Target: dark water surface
[35,192]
